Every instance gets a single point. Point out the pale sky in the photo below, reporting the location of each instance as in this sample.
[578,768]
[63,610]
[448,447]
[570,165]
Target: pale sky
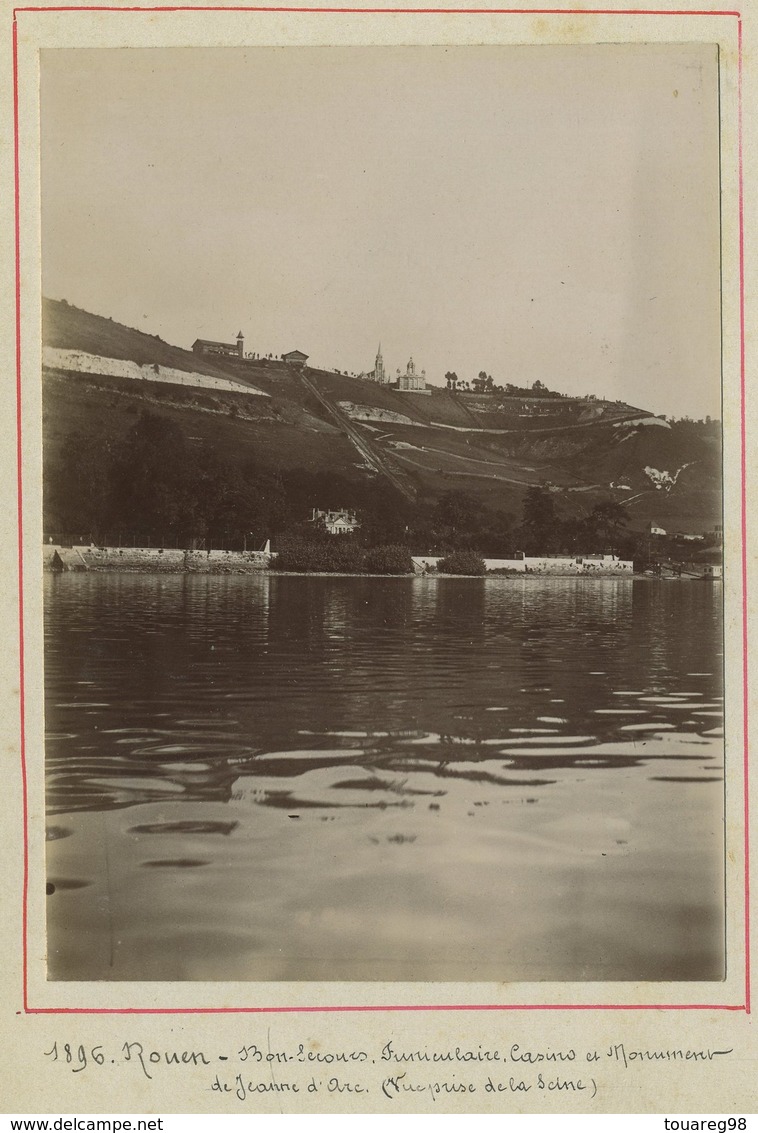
[536,212]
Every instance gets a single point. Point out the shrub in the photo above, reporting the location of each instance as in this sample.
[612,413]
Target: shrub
[336,556]
[462,562]
[389,560]
[344,555]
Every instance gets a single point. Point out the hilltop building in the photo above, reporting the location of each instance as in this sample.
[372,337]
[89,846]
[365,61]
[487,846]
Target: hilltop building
[410,381]
[338,521]
[295,358]
[229,349]
[378,374]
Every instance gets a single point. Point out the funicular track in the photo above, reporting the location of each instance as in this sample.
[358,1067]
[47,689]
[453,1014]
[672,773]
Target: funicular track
[370,454]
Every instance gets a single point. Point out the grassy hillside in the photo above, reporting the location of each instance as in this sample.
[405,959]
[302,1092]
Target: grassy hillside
[70,328]
[489,445]
[279,438]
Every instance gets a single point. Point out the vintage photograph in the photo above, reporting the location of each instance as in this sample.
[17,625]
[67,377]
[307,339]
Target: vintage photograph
[383,513]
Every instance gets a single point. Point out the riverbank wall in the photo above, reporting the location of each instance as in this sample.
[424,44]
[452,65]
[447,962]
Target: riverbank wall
[170,560]
[154,560]
[543,565]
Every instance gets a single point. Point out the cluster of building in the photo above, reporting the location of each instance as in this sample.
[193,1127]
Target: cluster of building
[409,382]
[207,346]
[227,349]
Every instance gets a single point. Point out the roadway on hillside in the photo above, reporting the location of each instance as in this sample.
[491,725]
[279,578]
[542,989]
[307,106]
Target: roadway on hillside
[498,465]
[536,479]
[522,432]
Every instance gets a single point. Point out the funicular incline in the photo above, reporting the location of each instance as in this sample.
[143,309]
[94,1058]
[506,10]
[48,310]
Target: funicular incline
[369,452]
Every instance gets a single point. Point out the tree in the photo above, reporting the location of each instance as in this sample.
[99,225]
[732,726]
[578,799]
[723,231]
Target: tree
[77,486]
[385,517]
[539,522]
[496,535]
[609,521]
[457,520]
[602,531]
[451,379]
[150,476]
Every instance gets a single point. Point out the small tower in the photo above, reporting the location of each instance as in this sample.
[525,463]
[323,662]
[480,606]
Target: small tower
[379,367]
[240,344]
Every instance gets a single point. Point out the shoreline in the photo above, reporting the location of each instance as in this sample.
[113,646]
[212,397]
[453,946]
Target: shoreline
[89,559]
[515,576]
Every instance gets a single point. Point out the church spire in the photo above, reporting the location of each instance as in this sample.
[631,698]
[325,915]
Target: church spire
[379,375]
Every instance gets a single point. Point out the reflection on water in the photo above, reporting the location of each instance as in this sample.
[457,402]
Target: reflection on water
[264,778]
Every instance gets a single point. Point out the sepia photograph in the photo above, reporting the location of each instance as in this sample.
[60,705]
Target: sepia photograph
[383,522]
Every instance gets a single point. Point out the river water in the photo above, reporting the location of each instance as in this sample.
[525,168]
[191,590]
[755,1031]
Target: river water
[343,778]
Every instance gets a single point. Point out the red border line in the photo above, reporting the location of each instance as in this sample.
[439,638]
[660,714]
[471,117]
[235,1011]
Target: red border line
[743,467]
[19,489]
[395,11]
[385,1007]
